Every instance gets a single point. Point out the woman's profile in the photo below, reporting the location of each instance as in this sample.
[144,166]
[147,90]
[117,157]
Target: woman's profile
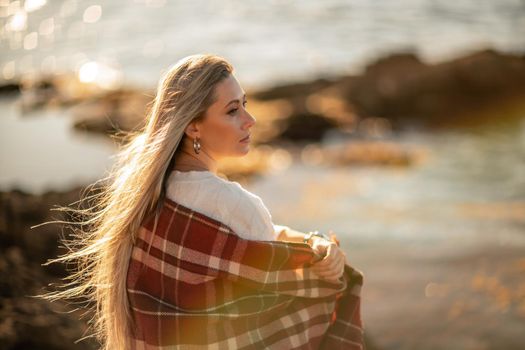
[173,254]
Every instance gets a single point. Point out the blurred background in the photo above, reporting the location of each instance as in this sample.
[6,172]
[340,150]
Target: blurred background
[400,125]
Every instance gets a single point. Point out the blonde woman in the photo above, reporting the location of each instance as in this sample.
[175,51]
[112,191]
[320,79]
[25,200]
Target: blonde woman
[178,256]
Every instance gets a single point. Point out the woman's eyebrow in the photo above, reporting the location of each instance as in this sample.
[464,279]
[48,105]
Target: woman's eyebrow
[236,100]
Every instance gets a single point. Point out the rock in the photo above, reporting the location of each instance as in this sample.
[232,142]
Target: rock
[54,90]
[32,323]
[9,89]
[305,112]
[403,89]
[406,91]
[363,152]
[28,322]
[123,109]
[306,127]
[291,91]
[20,211]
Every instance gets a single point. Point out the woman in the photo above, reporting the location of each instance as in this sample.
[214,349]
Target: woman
[159,236]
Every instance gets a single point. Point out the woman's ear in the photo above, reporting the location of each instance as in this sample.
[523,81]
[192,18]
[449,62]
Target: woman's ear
[192,130]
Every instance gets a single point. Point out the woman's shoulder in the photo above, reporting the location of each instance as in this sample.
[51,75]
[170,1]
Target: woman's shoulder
[245,195]
[212,186]
[245,198]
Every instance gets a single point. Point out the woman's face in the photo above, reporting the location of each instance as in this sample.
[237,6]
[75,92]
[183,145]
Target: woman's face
[226,122]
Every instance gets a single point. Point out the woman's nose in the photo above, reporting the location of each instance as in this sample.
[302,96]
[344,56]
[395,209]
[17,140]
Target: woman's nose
[250,120]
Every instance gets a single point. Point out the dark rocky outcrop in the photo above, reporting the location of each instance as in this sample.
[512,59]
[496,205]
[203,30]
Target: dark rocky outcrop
[306,127]
[28,322]
[408,92]
[403,89]
[9,89]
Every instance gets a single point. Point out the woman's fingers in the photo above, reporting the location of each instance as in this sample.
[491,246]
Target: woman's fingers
[332,266]
[331,276]
[336,268]
[329,263]
[334,253]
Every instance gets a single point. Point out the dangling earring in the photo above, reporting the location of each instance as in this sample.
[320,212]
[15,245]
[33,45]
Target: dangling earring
[196,145]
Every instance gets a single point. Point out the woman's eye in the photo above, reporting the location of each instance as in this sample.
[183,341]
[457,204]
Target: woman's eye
[235,109]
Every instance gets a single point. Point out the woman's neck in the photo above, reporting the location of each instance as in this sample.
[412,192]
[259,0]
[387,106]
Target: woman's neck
[186,159]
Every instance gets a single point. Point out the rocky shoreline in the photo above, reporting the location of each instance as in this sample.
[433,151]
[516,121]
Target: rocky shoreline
[400,90]
[394,93]
[27,322]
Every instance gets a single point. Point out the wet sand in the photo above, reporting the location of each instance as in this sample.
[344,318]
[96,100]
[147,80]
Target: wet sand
[442,296]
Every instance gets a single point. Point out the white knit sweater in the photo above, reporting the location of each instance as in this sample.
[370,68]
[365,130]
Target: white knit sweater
[226,201]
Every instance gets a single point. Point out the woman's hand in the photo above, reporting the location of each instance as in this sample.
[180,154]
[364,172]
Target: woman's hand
[331,267]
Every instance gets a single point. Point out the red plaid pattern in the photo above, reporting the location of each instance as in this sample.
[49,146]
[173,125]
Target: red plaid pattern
[193,283]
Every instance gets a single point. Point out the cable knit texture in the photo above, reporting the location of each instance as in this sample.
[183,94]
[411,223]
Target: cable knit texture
[226,201]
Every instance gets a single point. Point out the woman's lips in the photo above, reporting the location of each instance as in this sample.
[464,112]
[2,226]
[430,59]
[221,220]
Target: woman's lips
[246,139]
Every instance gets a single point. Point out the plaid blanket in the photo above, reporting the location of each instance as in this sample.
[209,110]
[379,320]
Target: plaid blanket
[193,283]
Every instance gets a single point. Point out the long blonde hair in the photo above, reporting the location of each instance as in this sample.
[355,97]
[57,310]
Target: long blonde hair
[134,189]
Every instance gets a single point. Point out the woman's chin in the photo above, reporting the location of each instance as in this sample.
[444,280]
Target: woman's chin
[245,149]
